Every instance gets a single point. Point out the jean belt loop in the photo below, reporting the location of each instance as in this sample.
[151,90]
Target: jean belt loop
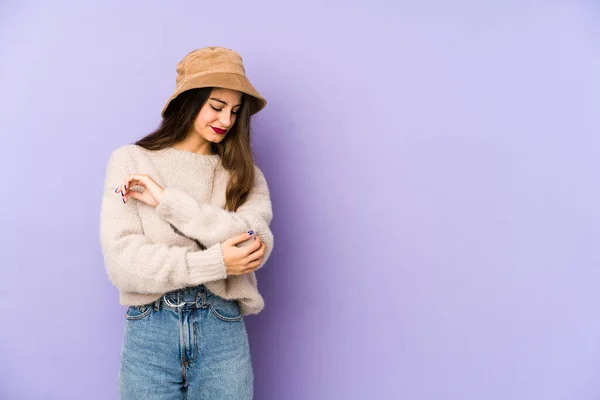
[204,301]
[198,299]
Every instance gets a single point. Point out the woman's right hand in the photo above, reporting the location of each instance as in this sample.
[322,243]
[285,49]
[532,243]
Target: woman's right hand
[242,260]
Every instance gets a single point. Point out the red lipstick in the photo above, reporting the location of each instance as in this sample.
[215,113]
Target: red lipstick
[219,131]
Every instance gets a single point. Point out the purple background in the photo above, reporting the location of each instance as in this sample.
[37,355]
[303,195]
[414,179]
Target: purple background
[434,175]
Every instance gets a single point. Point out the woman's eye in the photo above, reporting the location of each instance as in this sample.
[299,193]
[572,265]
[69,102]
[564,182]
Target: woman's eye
[220,109]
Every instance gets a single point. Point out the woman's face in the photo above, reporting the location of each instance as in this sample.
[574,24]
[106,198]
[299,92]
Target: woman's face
[217,115]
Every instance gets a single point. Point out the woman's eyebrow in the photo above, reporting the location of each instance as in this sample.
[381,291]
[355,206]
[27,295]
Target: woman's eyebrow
[221,101]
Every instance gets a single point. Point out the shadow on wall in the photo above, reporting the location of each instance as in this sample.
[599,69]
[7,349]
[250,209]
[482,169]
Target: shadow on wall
[274,280]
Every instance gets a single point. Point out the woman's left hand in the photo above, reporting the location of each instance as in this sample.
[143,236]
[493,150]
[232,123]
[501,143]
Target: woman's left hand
[151,195]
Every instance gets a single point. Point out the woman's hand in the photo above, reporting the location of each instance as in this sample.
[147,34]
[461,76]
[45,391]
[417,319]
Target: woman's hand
[242,260]
[151,195]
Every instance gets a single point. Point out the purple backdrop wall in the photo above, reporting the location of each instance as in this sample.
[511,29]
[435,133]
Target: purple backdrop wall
[434,173]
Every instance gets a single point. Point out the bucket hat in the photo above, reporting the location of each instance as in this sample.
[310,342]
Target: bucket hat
[215,67]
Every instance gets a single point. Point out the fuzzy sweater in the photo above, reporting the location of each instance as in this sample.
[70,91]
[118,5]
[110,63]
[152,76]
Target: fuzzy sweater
[150,251]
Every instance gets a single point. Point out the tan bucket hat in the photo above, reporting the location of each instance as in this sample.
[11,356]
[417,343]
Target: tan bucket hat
[215,67]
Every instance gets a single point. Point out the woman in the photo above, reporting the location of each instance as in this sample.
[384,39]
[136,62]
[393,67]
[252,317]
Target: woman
[184,225]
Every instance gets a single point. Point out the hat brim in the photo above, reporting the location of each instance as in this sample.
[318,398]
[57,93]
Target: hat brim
[225,81]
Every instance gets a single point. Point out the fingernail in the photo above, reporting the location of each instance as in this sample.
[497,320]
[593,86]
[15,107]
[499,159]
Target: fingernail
[250,232]
[116,190]
[123,199]
[125,186]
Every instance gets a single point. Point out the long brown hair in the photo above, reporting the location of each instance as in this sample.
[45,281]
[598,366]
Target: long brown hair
[234,150]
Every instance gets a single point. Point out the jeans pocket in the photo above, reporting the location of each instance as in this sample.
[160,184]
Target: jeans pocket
[226,310]
[138,312]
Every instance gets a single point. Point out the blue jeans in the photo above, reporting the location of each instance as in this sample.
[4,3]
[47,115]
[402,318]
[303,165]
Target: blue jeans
[189,344]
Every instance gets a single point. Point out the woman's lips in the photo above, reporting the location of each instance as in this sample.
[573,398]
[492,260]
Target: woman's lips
[219,131]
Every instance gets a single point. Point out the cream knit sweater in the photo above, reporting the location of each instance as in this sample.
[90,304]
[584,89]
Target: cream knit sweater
[150,251]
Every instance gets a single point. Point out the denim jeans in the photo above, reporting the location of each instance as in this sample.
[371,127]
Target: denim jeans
[189,344]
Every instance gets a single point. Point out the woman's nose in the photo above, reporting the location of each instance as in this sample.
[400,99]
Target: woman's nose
[225,120]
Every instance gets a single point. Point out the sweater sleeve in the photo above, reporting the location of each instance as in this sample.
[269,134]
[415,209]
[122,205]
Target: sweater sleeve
[135,263]
[211,224]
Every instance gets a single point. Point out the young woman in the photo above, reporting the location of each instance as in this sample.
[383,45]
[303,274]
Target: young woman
[184,225]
